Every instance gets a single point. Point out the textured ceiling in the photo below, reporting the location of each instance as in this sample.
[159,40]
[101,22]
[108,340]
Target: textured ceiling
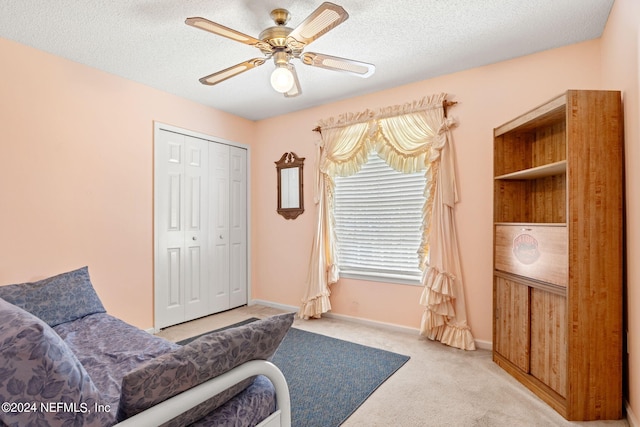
[408,40]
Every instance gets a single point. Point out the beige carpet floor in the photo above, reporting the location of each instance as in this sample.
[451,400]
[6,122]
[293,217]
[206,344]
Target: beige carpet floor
[438,386]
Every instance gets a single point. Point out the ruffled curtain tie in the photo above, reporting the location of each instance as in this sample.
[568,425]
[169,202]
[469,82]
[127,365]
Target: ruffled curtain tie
[446,125]
[440,141]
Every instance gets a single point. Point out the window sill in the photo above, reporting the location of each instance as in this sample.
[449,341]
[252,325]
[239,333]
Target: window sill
[381,277]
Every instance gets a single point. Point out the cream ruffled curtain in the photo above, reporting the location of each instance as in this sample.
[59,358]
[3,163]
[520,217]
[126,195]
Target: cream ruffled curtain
[410,138]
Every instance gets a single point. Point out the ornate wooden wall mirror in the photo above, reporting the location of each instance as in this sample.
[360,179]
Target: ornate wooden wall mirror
[290,194]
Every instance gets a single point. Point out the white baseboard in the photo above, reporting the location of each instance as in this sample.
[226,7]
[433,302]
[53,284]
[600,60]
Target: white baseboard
[484,345]
[330,315]
[631,418]
[374,323]
[283,307]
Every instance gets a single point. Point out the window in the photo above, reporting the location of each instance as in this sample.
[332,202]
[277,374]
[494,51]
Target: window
[378,223]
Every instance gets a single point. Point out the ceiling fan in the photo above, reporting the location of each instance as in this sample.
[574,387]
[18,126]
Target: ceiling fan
[284,44]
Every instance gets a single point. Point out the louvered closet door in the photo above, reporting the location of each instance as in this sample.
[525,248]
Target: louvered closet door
[181,229]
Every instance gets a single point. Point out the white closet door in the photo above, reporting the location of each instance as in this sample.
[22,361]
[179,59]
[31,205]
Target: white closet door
[180,190]
[228,238]
[219,227]
[200,226]
[238,227]
[196,172]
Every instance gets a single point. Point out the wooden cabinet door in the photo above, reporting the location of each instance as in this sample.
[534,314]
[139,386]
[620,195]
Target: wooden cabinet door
[549,339]
[511,313]
[534,251]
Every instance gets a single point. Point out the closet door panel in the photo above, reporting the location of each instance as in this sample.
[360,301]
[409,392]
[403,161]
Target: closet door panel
[169,195]
[219,223]
[196,228]
[171,250]
[238,226]
[172,294]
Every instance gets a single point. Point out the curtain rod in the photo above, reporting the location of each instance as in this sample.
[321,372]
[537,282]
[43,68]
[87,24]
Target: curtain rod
[445,105]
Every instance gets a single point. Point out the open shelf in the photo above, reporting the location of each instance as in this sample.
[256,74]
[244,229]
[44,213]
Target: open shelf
[551,169]
[529,224]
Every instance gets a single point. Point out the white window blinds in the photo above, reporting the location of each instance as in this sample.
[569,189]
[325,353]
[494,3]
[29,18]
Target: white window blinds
[378,223]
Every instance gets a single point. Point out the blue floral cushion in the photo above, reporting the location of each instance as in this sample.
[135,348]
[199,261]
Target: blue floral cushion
[59,299]
[42,383]
[200,360]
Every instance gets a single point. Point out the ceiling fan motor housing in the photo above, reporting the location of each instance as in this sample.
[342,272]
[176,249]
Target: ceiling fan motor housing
[277,36]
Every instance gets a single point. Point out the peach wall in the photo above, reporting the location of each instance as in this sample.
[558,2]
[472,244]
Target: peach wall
[487,96]
[76,173]
[621,71]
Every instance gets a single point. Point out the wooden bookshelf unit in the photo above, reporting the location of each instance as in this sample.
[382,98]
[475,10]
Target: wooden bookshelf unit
[558,252]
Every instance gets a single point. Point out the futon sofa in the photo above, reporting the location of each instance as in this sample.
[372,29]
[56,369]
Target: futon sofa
[65,362]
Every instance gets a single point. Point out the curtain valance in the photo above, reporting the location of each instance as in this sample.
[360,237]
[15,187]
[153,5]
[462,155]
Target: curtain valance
[402,136]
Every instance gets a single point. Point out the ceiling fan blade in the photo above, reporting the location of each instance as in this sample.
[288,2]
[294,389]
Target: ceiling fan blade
[227,73]
[296,89]
[221,30]
[326,17]
[335,63]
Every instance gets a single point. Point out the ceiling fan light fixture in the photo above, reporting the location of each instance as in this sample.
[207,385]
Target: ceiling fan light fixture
[282,79]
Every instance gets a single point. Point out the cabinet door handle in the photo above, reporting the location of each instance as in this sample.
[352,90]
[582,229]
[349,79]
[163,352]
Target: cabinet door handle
[194,238]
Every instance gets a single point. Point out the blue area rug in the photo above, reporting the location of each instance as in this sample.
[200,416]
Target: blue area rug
[330,378]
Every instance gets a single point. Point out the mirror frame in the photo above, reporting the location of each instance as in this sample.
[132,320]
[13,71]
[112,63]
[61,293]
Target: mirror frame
[287,161]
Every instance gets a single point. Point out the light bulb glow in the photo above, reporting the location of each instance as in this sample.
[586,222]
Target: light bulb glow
[282,79]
